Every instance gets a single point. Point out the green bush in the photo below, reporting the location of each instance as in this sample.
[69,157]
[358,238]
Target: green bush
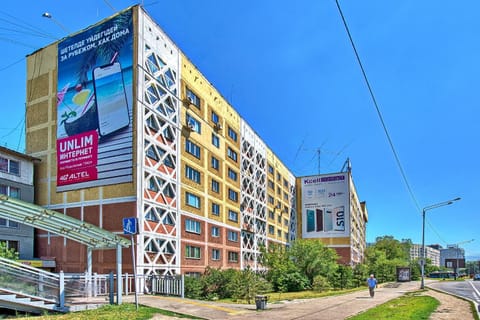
[321,283]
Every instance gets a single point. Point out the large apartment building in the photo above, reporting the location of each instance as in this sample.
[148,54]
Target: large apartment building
[126,126]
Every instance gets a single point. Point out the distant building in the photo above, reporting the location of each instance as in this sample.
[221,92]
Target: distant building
[16,181]
[452,257]
[430,253]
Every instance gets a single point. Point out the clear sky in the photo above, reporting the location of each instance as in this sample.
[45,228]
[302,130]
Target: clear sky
[289,69]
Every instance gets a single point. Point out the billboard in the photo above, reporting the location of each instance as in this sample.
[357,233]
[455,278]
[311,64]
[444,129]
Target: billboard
[325,206]
[94,105]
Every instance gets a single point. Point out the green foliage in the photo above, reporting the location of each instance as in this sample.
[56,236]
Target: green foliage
[215,283]
[247,284]
[342,278]
[360,273]
[7,253]
[321,284]
[385,256]
[193,288]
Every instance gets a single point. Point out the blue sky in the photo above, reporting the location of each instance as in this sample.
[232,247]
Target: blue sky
[289,70]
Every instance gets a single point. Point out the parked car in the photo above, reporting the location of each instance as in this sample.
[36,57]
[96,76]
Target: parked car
[476,277]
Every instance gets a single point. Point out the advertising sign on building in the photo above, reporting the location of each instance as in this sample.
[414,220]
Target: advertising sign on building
[325,206]
[94,105]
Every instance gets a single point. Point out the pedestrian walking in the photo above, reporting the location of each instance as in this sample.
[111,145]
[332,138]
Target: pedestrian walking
[372,284]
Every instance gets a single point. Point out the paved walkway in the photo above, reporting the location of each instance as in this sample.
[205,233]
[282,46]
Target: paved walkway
[331,308]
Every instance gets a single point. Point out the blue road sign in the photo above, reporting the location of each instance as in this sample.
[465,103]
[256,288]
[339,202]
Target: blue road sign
[129,225]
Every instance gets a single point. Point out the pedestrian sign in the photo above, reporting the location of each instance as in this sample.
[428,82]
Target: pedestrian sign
[129,225]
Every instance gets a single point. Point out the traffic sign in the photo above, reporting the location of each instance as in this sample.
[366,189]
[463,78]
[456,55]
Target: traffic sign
[129,225]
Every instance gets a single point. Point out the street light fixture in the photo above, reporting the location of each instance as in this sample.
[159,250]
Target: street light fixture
[48,15]
[433,206]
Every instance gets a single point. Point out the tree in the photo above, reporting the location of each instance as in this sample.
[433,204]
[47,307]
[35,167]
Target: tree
[385,256]
[313,258]
[7,253]
[247,284]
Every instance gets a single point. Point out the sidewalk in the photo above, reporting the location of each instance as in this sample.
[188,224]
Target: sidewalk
[331,308]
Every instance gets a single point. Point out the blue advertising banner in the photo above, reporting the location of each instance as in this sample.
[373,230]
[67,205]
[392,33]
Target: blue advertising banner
[94,105]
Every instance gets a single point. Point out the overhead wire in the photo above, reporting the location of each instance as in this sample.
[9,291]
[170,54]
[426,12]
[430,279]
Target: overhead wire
[380,116]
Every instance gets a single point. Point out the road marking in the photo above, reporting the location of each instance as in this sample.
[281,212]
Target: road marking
[475,289]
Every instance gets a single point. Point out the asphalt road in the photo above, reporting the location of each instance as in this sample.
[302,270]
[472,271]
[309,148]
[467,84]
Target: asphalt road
[468,289]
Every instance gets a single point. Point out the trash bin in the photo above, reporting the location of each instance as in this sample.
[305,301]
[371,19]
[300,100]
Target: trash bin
[261,302]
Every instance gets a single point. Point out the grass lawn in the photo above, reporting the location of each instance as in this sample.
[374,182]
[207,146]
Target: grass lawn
[410,306]
[125,311]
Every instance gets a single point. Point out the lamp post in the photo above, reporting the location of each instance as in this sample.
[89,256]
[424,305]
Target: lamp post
[424,211]
[49,16]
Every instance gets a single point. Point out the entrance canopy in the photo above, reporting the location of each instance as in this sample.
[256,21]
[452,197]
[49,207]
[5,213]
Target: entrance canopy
[61,224]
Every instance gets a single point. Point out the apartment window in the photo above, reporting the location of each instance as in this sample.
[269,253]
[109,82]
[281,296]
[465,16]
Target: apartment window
[193,200]
[192,174]
[271,214]
[285,235]
[285,183]
[215,209]
[232,174]
[279,191]
[232,216]
[192,226]
[215,118]
[271,185]
[193,98]
[271,229]
[285,222]
[232,195]
[279,218]
[270,169]
[215,163]
[279,177]
[232,154]
[232,134]
[215,232]
[13,192]
[215,140]
[285,196]
[9,166]
[279,233]
[215,254]
[232,256]
[192,252]
[271,200]
[232,236]
[215,186]
[192,148]
[11,245]
[8,223]
[194,124]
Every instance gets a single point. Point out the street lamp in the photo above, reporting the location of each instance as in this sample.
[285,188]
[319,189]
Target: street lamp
[49,16]
[433,206]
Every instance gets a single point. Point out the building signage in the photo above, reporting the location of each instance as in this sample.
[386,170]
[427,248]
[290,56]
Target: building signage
[94,105]
[325,206]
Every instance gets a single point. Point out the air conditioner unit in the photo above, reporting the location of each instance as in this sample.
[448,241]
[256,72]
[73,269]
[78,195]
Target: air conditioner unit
[218,126]
[191,126]
[188,101]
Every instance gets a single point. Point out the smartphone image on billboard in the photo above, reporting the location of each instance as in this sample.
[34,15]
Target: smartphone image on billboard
[310,220]
[327,221]
[111,99]
[319,216]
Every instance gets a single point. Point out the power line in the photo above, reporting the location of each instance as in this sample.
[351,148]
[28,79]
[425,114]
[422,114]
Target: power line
[372,95]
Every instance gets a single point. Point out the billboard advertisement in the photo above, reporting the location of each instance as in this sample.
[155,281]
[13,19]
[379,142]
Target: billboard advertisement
[94,105]
[325,206]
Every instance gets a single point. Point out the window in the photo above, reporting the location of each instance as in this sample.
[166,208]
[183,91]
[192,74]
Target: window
[285,183]
[232,134]
[271,184]
[11,245]
[192,174]
[271,200]
[10,191]
[193,98]
[192,252]
[271,229]
[279,233]
[192,148]
[271,214]
[215,209]
[232,236]
[194,124]
[215,232]
[192,226]
[232,195]
[232,154]
[285,235]
[270,169]
[10,166]
[279,177]
[215,186]
[279,218]
[232,174]
[193,200]
[215,254]
[8,223]
[232,256]
[285,196]
[215,140]
[215,118]
[232,216]
[285,222]
[215,163]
